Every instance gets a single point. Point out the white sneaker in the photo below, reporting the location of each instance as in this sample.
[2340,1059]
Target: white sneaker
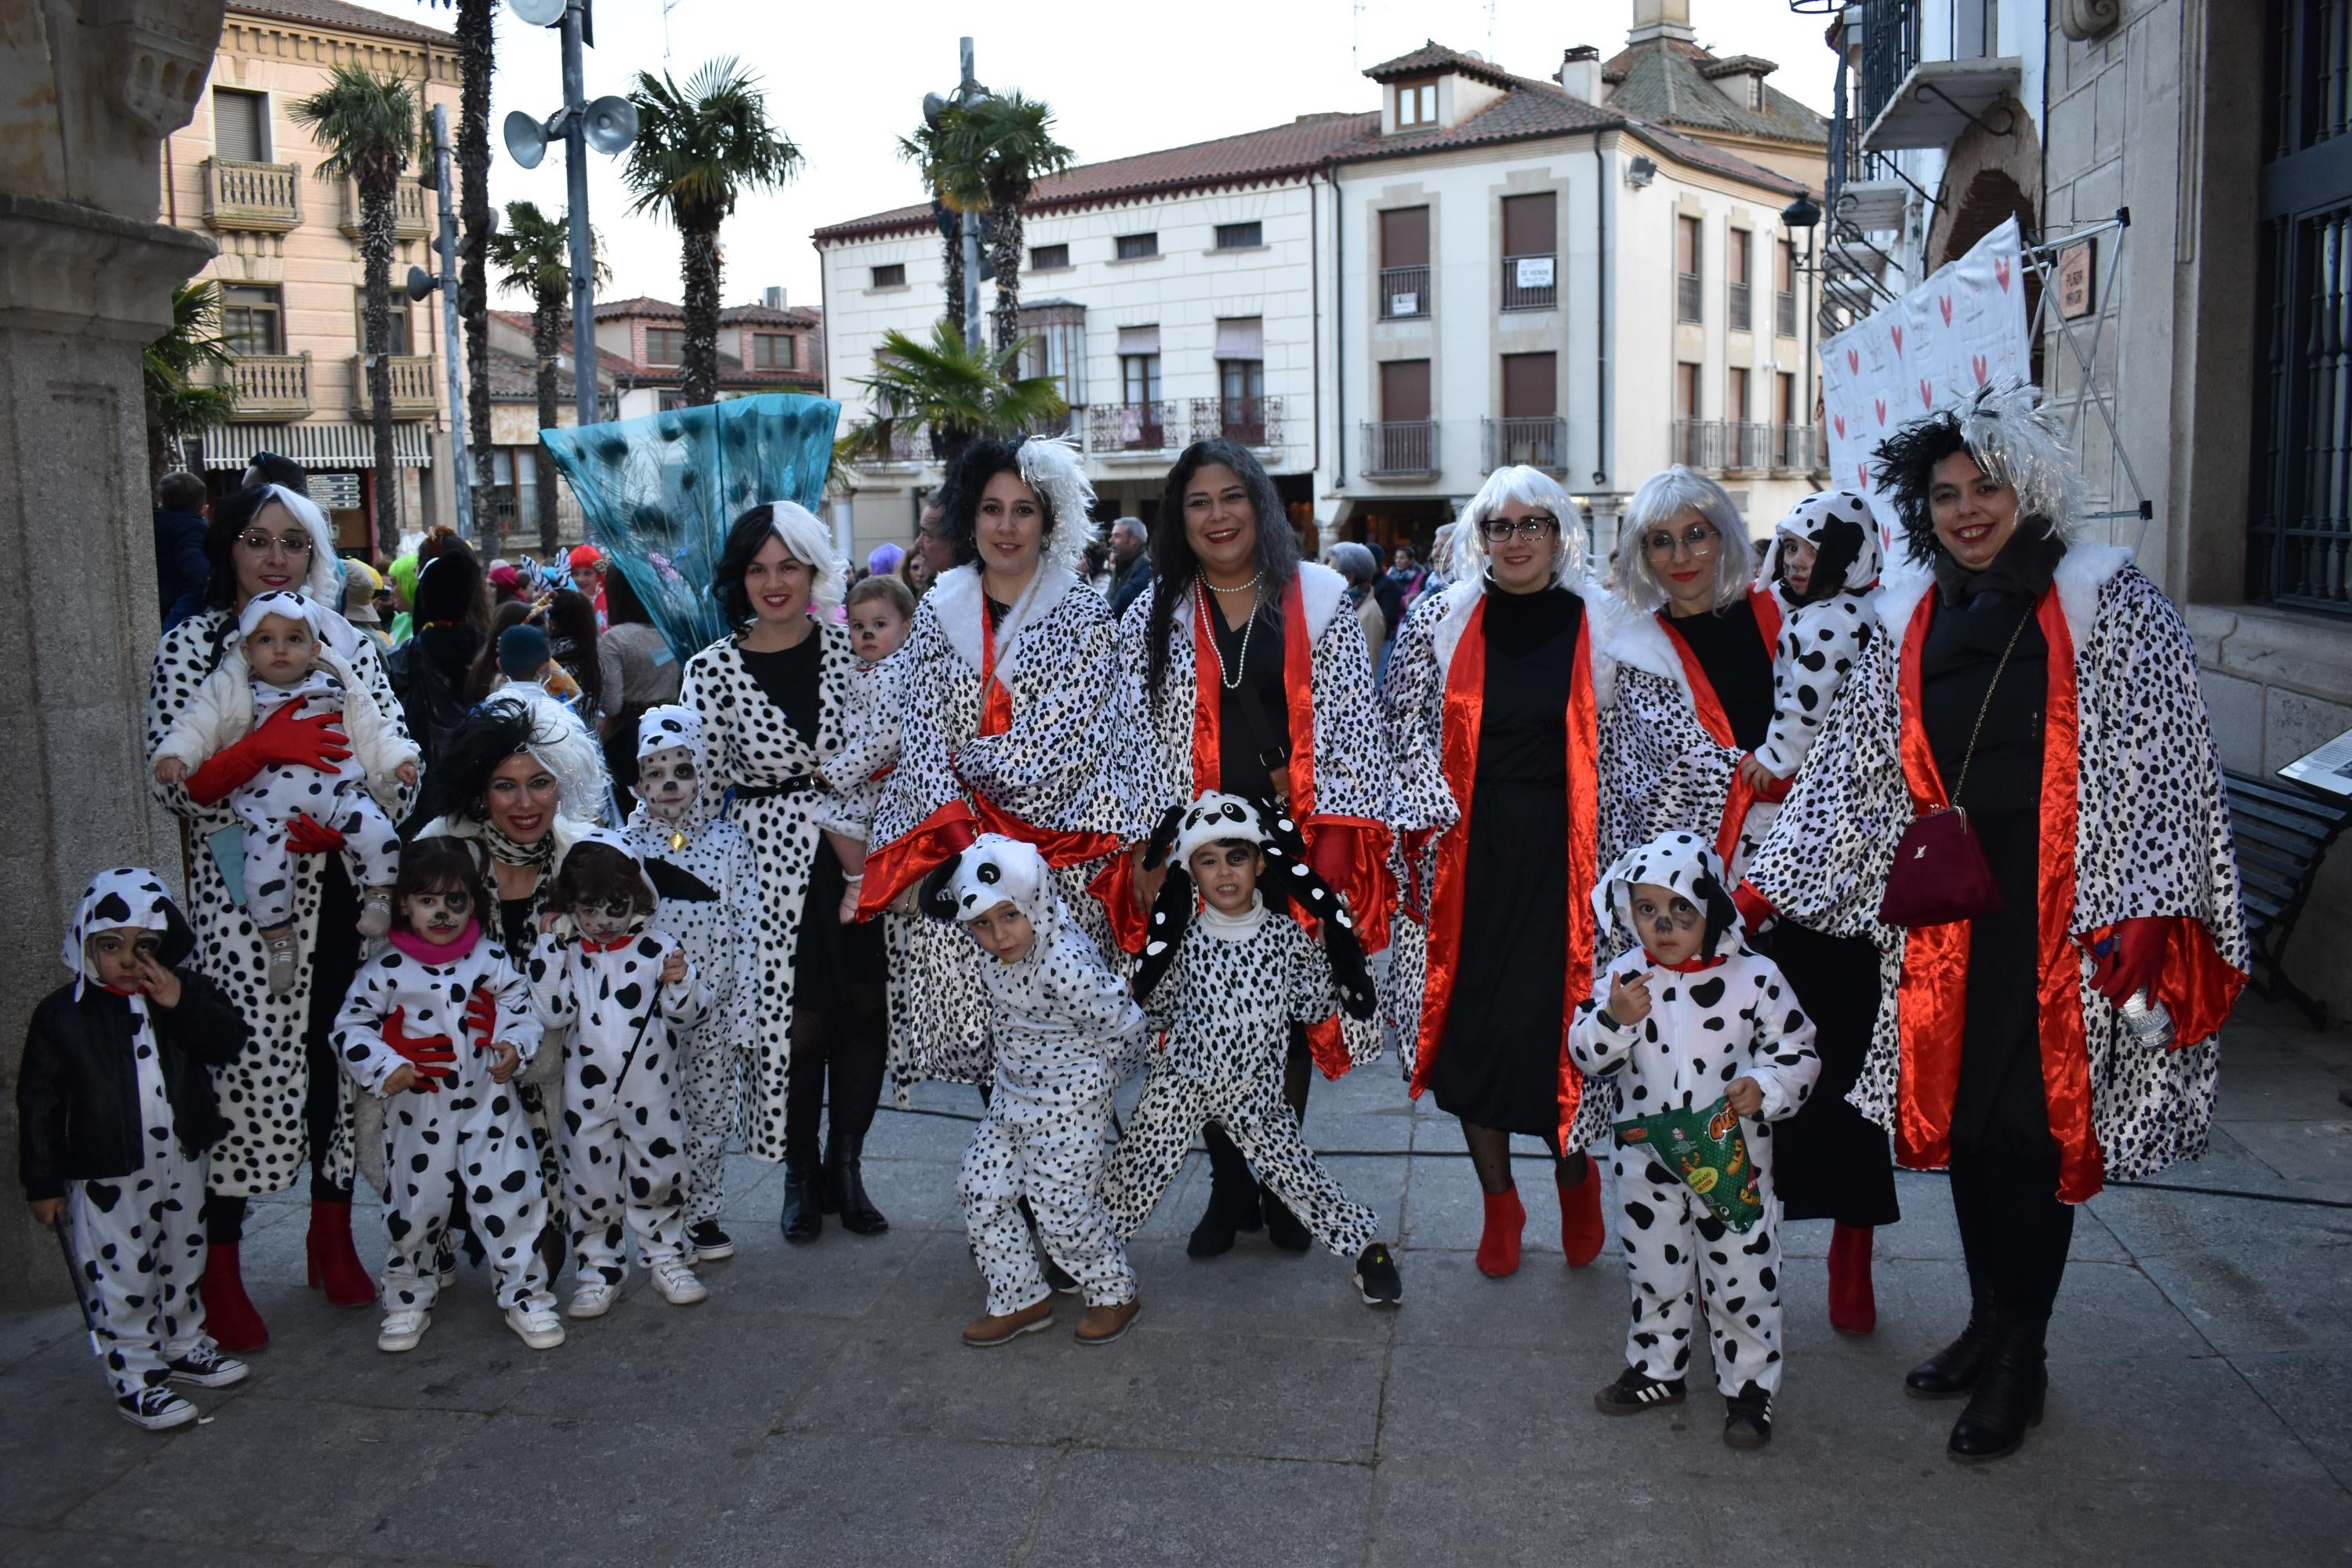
[403,1327]
[593,1300]
[677,1284]
[537,1327]
[156,1409]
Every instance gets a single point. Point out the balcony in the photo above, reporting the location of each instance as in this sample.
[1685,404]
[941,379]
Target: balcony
[1929,70]
[901,443]
[266,197]
[412,387]
[1404,293]
[412,218]
[1540,443]
[1737,447]
[1253,422]
[268,387]
[1793,448]
[1741,314]
[1400,448]
[1137,429]
[1530,282]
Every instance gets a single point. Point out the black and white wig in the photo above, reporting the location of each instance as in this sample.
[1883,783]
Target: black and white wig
[1466,557]
[2009,434]
[810,541]
[1663,497]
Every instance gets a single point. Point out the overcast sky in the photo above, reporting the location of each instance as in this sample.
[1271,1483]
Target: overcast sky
[845,80]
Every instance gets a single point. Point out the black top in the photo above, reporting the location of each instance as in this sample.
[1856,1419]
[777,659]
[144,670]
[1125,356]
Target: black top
[519,923]
[789,677]
[1531,666]
[1254,718]
[1957,661]
[1730,649]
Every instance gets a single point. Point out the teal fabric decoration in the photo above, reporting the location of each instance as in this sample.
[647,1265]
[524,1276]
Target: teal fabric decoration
[659,493]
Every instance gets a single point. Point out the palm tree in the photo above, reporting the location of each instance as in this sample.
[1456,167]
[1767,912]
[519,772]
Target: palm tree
[178,405]
[368,126]
[962,393]
[477,55]
[998,148]
[922,150]
[533,253]
[698,150]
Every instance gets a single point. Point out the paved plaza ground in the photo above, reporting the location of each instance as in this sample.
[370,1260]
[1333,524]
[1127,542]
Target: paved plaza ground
[818,1409]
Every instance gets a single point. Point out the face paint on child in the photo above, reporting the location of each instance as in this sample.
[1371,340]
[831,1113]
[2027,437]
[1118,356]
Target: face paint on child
[1003,930]
[280,650]
[439,917]
[1227,873]
[605,921]
[876,629]
[115,956]
[1797,559]
[667,784]
[1670,926]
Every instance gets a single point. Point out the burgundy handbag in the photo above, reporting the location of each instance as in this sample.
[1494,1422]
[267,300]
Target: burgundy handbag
[1940,874]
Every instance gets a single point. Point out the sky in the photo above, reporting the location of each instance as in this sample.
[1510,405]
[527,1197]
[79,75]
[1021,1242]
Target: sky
[1126,80]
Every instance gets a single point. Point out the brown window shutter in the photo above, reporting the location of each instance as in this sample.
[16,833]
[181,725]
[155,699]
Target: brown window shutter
[1530,225]
[1404,389]
[1404,237]
[1530,386]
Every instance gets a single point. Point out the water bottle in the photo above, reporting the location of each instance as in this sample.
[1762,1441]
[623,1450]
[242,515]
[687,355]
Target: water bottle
[2148,1021]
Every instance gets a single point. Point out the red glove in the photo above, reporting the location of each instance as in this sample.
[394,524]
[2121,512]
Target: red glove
[481,1018]
[432,1056]
[286,739]
[2132,956]
[305,835]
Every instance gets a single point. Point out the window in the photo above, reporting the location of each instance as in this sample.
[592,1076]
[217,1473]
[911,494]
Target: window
[1404,442]
[1416,105]
[1240,236]
[664,346]
[1529,242]
[1528,431]
[1048,258]
[1686,276]
[774,351]
[1685,392]
[1786,440]
[1784,290]
[1404,262]
[1136,247]
[251,321]
[240,125]
[1404,390]
[1735,394]
[1139,379]
[1689,444]
[1736,268]
[399,344]
[891,277]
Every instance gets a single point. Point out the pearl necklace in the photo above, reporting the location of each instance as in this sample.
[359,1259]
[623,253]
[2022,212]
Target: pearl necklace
[1230,681]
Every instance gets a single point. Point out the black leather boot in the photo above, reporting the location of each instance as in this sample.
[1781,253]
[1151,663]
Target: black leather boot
[2008,1397]
[803,1216]
[1281,1227]
[1954,1370]
[845,1188]
[1232,1203]
[829,1178]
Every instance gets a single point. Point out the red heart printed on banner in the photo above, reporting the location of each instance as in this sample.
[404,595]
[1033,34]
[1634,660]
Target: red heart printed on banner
[2000,274]
[1927,393]
[1977,363]
[1898,340]
[1852,362]
[1862,476]
[1840,421]
[1944,303]
[1880,403]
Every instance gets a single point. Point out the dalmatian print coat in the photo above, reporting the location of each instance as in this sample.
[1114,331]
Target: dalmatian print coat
[2152,838]
[1820,642]
[1070,760]
[750,746]
[262,1091]
[1674,774]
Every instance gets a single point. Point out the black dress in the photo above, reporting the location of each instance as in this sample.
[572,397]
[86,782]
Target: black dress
[1498,1062]
[1829,1161]
[1254,713]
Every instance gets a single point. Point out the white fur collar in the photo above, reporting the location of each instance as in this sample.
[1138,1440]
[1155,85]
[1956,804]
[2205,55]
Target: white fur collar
[1322,591]
[1640,642]
[1604,613]
[957,601]
[2083,573]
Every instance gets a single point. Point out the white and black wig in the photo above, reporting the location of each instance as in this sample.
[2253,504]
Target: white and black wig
[808,539]
[1664,497]
[2009,434]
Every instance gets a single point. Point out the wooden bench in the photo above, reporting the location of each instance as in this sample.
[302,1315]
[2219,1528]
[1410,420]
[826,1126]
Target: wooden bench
[2281,831]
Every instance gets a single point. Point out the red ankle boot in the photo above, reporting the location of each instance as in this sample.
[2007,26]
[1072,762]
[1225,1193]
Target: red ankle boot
[1581,1230]
[334,1264]
[229,1317]
[1854,1309]
[1498,1246]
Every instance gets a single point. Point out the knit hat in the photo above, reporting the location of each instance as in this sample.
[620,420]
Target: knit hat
[293,606]
[522,652]
[883,559]
[586,558]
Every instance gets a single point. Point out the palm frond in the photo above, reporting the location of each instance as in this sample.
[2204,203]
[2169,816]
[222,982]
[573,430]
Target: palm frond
[700,147]
[533,252]
[368,126]
[942,383]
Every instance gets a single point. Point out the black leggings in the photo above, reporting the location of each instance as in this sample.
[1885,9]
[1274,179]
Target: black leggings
[2013,1230]
[847,1044]
[1229,1173]
[1490,1156]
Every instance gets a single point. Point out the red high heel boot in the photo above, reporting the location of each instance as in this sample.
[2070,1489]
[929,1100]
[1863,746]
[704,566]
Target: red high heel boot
[229,1317]
[334,1264]
[1498,1246]
[1582,1233]
[1854,1309]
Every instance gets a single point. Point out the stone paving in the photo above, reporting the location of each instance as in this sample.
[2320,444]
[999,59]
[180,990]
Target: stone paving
[819,1409]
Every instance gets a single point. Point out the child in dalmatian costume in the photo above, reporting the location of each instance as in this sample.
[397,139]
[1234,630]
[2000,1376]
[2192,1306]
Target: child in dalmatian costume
[1066,1033]
[1823,561]
[282,661]
[438,1027]
[1684,1018]
[627,992]
[1223,988]
[115,1112]
[707,880]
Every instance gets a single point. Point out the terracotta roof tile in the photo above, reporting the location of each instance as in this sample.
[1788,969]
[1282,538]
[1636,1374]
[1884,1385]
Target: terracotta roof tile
[761,315]
[1435,58]
[344,17]
[643,305]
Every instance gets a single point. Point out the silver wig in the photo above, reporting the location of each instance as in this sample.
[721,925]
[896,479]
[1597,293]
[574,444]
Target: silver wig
[1530,487]
[1664,497]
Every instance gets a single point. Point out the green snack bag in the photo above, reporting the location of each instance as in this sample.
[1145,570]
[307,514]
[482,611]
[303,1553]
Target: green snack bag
[1705,1150]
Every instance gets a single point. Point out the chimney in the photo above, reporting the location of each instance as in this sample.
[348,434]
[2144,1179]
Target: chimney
[1661,19]
[1579,73]
[773,297]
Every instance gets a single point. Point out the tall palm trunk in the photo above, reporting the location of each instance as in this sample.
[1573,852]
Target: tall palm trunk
[1005,253]
[547,326]
[698,379]
[475,48]
[952,246]
[377,188]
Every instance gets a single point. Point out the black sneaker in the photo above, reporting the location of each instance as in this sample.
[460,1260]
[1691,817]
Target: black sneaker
[1747,1418]
[709,1243]
[156,1409]
[1376,1276]
[1634,1392]
[205,1367]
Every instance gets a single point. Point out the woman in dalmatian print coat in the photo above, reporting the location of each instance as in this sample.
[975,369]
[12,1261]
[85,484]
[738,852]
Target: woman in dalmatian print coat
[1014,722]
[1221,988]
[1688,1019]
[2048,689]
[774,701]
[1509,803]
[1248,671]
[115,1112]
[287,1104]
[627,993]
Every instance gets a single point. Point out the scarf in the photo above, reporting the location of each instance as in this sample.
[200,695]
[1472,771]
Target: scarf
[514,852]
[2023,569]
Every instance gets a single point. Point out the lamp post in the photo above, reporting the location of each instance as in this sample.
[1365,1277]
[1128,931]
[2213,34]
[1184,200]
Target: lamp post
[420,284]
[1802,216]
[968,91]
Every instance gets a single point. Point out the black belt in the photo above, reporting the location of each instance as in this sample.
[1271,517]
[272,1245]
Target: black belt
[770,791]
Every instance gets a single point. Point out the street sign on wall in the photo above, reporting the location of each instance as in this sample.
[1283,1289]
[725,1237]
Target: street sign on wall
[335,492]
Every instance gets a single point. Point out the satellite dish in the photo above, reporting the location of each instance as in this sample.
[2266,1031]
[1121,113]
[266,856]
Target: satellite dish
[611,125]
[421,283]
[526,139]
[537,13]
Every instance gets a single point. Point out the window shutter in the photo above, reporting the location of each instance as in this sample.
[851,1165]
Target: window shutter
[1139,340]
[1528,225]
[238,125]
[1241,337]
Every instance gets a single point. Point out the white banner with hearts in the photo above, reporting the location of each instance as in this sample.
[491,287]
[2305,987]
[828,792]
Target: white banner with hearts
[1961,329]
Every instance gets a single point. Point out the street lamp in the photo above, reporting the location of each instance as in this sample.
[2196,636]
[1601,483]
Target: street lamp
[935,108]
[420,284]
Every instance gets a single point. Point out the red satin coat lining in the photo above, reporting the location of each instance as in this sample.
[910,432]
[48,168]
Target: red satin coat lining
[1741,795]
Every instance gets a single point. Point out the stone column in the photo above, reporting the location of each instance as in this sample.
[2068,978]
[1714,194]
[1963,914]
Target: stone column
[88,283]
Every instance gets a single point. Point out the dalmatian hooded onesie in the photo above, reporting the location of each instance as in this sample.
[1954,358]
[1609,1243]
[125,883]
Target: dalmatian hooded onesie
[623,1138]
[708,881]
[1724,1015]
[1224,990]
[115,1112]
[1821,638]
[1066,1033]
[438,1007]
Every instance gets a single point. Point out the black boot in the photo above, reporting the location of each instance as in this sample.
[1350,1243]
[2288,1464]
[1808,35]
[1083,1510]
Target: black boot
[2009,1394]
[1281,1227]
[803,1216]
[1232,1202]
[829,1178]
[1953,1370]
[845,1188]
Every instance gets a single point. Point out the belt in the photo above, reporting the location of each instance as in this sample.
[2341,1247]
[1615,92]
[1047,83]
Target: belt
[769,791]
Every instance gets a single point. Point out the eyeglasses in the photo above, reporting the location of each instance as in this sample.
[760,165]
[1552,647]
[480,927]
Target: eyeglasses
[262,543]
[1699,539]
[1535,525]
